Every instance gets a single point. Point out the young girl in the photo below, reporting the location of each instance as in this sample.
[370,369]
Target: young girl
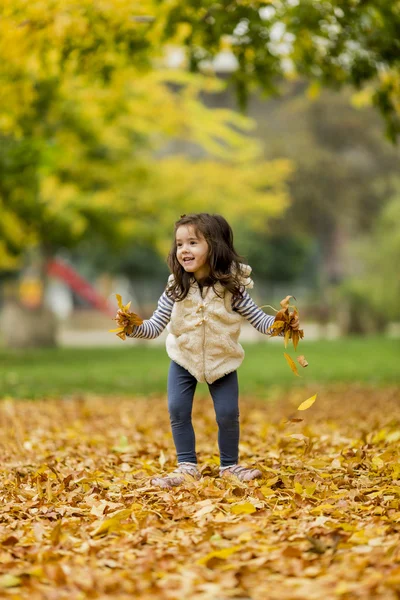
[204,303]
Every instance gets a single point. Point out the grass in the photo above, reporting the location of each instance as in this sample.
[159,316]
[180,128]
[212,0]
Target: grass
[142,369]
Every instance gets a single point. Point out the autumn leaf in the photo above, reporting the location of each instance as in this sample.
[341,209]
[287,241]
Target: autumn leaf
[287,323]
[245,508]
[8,581]
[80,510]
[285,302]
[112,523]
[302,361]
[307,403]
[221,554]
[294,420]
[126,319]
[291,364]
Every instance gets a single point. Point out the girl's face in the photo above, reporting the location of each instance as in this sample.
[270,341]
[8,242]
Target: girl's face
[192,251]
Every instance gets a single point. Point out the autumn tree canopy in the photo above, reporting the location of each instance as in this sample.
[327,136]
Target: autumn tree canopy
[91,110]
[88,106]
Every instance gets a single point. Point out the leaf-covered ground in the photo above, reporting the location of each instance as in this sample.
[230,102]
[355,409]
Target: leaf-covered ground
[78,518]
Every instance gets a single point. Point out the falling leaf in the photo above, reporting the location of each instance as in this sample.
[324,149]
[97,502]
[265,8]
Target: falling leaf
[291,364]
[302,361]
[307,403]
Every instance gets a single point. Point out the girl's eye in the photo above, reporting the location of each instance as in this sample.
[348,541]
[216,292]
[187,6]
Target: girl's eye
[193,242]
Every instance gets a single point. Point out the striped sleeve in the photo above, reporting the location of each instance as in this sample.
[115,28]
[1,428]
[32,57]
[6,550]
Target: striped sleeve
[249,310]
[153,327]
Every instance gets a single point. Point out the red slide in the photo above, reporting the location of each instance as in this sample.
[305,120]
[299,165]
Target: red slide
[78,284]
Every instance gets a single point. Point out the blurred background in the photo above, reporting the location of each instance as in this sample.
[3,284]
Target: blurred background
[118,117]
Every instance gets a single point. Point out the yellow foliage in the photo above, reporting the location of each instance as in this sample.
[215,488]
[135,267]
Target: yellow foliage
[75,59]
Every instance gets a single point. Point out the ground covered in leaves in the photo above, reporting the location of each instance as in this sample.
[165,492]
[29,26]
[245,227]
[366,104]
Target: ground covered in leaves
[78,518]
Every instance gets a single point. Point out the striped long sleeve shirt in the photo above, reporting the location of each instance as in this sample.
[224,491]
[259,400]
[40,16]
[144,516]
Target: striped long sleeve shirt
[153,327]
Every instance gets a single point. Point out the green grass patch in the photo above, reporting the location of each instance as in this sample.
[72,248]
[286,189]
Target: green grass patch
[143,369]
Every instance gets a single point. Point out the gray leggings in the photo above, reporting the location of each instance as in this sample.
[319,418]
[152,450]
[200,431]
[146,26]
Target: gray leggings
[225,395]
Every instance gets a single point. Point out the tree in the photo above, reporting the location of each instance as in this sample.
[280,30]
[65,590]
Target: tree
[371,293]
[332,43]
[86,110]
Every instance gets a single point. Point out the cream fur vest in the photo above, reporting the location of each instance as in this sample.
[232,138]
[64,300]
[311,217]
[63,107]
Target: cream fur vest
[204,332]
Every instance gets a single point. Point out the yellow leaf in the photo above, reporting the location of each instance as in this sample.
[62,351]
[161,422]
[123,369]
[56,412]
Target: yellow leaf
[266,491]
[378,462]
[307,403]
[271,481]
[224,553]
[119,300]
[287,337]
[291,364]
[298,487]
[8,580]
[162,459]
[295,339]
[113,522]
[114,330]
[310,489]
[246,508]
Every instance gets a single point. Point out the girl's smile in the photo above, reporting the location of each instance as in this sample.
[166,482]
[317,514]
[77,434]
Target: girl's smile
[192,251]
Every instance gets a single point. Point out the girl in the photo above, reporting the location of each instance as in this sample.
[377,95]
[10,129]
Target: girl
[204,303]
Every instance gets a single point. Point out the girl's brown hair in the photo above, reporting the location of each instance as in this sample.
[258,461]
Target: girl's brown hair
[222,257]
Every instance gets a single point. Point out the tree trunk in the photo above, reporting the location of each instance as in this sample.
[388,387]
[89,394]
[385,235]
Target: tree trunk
[26,326]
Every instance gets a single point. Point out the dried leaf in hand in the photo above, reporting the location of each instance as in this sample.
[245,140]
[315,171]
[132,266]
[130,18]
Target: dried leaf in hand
[307,403]
[126,319]
[285,302]
[287,323]
[291,364]
[295,338]
[302,361]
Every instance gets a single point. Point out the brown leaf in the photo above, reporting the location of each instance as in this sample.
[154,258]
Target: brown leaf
[302,361]
[126,320]
[285,302]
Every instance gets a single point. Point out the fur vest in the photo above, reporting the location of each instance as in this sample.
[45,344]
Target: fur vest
[204,332]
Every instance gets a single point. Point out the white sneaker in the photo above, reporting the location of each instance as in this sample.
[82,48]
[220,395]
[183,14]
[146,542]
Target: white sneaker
[185,471]
[242,473]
